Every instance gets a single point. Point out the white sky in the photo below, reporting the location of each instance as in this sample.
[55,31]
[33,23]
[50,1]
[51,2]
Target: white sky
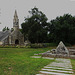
[51,8]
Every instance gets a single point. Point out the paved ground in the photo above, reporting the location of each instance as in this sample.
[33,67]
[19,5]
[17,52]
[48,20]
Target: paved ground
[59,67]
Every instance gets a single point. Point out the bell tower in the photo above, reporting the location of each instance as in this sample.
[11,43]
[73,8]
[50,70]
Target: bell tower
[15,21]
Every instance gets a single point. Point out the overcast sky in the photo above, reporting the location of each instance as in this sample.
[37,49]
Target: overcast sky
[51,8]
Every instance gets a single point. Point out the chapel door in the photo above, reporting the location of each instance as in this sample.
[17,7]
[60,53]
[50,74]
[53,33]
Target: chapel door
[16,41]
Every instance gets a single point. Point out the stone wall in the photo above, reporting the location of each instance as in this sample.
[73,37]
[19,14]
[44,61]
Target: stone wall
[17,35]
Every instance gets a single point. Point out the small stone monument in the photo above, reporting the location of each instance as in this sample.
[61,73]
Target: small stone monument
[27,42]
[61,49]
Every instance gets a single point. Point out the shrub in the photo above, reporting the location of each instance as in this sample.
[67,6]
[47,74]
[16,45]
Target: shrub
[37,45]
[49,44]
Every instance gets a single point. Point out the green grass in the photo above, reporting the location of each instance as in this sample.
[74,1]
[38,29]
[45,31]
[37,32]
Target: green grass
[17,61]
[73,65]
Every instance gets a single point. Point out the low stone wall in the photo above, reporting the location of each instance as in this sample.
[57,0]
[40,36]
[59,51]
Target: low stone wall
[72,51]
[58,56]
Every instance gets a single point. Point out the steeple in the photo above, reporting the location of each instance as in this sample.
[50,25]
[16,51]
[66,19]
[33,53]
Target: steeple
[16,21]
[15,15]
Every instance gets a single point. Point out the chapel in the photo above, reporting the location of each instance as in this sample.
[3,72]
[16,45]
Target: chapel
[14,37]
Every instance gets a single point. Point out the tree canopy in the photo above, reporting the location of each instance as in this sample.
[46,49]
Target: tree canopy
[35,26]
[37,29]
[63,29]
[5,28]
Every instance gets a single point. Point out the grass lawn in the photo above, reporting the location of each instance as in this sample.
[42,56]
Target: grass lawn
[73,65]
[17,61]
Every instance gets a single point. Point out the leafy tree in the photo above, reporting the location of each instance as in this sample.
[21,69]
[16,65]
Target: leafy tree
[5,28]
[35,27]
[63,28]
[12,29]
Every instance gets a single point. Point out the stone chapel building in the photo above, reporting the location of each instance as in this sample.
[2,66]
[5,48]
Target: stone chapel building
[12,38]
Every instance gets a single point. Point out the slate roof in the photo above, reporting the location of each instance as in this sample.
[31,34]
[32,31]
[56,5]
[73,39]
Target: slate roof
[4,34]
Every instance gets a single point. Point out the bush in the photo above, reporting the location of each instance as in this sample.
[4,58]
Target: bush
[67,44]
[37,45]
[49,44]
[15,46]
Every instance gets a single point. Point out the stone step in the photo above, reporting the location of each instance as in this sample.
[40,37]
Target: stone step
[35,56]
[62,65]
[52,73]
[57,68]
[39,74]
[47,58]
[58,71]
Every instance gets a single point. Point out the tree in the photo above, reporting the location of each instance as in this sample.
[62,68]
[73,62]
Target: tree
[5,28]
[35,27]
[12,29]
[63,29]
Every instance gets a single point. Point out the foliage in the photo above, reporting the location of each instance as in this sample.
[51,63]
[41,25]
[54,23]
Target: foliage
[50,44]
[35,27]
[62,29]
[17,61]
[12,29]
[5,28]
[37,45]
[14,46]
[38,30]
